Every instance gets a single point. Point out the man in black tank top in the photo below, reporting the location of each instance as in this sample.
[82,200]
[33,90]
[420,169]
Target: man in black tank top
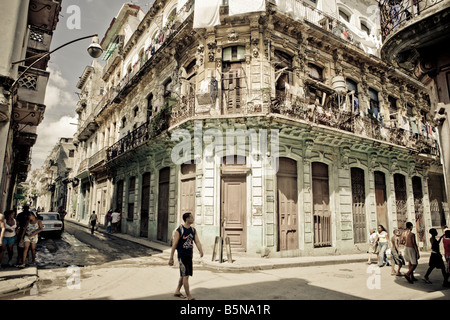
[183,242]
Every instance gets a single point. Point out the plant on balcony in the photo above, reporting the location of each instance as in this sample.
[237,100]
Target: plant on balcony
[160,121]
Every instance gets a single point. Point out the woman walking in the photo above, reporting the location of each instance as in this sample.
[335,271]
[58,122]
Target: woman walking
[383,242]
[9,237]
[30,237]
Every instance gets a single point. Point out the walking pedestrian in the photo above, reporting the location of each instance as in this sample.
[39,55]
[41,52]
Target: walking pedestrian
[396,255]
[93,221]
[22,220]
[373,245]
[411,254]
[108,221]
[183,242]
[436,258]
[383,243]
[9,237]
[62,213]
[30,237]
[115,218]
[446,243]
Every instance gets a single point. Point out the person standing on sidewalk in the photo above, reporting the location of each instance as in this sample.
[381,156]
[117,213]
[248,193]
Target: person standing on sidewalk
[22,220]
[411,254]
[9,237]
[183,242]
[93,221]
[115,218]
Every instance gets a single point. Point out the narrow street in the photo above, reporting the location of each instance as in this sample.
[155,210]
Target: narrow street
[81,266]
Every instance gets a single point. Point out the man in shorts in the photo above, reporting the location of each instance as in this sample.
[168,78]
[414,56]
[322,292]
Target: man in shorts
[183,242]
[411,253]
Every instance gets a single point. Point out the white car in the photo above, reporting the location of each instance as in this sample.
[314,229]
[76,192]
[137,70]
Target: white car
[51,223]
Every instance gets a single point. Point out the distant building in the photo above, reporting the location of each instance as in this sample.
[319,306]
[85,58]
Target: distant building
[278,126]
[51,181]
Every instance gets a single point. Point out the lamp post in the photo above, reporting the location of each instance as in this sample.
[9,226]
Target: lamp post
[94,50]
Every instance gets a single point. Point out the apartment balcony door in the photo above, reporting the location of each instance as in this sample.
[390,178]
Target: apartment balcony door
[358,205]
[321,205]
[287,198]
[163,204]
[380,199]
[145,203]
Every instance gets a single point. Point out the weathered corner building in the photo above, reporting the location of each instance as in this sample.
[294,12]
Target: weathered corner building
[196,119]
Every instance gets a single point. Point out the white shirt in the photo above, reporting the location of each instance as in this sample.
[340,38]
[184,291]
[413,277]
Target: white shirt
[115,216]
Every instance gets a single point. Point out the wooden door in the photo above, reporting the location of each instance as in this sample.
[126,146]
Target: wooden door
[418,208]
[119,195]
[400,200]
[145,203]
[380,199]
[287,205]
[163,204]
[358,205]
[321,205]
[187,202]
[234,210]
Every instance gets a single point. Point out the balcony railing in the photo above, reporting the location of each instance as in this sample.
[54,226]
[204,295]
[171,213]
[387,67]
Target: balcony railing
[300,10]
[397,13]
[97,158]
[365,126]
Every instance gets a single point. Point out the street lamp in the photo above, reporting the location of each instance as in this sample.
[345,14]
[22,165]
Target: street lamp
[94,50]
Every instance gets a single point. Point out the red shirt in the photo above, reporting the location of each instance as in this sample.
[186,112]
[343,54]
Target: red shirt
[446,243]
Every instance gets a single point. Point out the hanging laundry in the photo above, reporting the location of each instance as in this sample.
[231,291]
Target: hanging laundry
[414,128]
[206,13]
[241,7]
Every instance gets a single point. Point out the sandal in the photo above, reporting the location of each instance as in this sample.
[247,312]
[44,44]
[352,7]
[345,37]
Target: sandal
[179,295]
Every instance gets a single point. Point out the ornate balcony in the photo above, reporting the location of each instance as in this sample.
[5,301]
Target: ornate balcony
[406,23]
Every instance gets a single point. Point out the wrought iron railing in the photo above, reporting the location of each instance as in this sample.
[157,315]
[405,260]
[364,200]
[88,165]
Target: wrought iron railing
[396,13]
[355,123]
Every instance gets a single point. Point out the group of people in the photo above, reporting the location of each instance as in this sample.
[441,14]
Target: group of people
[379,244]
[22,229]
[112,221]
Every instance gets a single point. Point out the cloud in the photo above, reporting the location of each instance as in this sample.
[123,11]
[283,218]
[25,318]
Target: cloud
[48,135]
[59,99]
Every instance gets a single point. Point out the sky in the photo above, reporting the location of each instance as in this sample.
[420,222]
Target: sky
[78,18]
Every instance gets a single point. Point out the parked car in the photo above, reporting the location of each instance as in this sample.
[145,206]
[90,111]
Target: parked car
[51,223]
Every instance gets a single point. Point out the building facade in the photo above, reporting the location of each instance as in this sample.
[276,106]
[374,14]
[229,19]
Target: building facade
[416,40]
[279,127]
[49,185]
[27,30]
